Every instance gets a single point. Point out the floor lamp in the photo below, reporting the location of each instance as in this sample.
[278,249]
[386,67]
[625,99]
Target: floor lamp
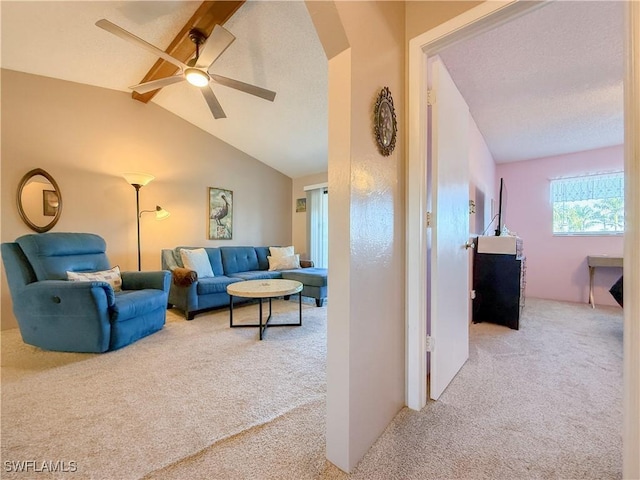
[137,181]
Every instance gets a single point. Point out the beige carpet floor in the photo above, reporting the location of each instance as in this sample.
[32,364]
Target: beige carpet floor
[123,414]
[201,401]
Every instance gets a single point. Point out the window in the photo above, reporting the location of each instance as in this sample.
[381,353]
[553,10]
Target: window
[318,226]
[592,204]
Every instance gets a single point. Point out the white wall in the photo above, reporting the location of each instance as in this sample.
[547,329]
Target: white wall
[365,43]
[482,172]
[365,363]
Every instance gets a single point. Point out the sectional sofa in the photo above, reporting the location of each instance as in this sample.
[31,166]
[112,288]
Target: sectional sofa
[231,264]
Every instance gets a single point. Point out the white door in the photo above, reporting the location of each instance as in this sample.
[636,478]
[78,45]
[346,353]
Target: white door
[449,258]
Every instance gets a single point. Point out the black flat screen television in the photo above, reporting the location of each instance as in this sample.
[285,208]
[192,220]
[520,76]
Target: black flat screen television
[500,207]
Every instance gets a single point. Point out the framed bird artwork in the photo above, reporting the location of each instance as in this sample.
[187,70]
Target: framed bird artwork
[220,214]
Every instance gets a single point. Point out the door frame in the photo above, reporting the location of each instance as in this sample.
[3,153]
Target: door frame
[472,22]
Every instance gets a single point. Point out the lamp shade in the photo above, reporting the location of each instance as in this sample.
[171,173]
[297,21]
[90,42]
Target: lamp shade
[137,178]
[161,213]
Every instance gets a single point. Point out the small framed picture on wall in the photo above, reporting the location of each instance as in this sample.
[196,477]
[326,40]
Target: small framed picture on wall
[301,205]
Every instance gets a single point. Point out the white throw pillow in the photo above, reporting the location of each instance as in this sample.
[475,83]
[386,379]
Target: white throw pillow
[197,260]
[287,262]
[277,252]
[112,277]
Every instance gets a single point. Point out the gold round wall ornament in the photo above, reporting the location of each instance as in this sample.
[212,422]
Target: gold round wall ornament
[384,121]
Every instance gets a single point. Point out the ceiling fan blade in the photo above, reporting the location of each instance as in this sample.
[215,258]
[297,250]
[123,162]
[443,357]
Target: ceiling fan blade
[130,37]
[216,44]
[212,101]
[244,87]
[156,84]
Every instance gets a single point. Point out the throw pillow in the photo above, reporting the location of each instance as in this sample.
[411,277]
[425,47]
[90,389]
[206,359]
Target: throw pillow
[112,277]
[287,262]
[277,252]
[197,260]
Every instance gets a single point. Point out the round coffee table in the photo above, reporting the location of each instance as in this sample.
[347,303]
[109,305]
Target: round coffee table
[261,289]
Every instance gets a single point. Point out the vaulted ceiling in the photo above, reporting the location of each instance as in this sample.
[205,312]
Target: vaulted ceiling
[276,48]
[547,83]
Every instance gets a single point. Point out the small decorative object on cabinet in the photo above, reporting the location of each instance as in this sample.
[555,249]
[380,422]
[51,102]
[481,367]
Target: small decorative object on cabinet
[498,280]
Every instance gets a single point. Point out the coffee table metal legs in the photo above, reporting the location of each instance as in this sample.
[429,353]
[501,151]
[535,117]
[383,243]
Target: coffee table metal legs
[263,326]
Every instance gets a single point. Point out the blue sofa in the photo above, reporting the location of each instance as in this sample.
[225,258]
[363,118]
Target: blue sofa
[231,264]
[80,316]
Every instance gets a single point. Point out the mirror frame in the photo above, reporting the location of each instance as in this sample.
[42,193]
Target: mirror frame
[25,179]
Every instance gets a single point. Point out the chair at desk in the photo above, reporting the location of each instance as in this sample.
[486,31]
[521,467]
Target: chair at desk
[616,291]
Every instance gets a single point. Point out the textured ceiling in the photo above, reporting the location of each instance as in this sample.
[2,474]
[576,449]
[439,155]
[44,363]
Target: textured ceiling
[547,83]
[276,48]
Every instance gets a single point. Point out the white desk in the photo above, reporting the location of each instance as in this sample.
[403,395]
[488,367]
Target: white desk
[594,261]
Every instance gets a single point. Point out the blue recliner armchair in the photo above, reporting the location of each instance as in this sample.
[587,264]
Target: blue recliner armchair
[87,316]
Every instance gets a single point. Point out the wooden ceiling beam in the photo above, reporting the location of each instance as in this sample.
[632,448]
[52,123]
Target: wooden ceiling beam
[204,19]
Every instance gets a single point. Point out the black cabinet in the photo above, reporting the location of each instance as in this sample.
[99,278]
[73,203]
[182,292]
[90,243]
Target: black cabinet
[498,281]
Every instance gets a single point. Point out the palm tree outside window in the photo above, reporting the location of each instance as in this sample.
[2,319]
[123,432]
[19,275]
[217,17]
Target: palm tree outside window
[588,205]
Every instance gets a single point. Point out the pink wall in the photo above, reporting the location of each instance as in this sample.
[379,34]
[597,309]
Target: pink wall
[557,265]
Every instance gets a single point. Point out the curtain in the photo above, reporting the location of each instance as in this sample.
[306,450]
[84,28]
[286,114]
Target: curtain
[592,187]
[317,226]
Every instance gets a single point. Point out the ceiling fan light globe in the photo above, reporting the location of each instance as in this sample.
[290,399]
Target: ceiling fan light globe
[196,77]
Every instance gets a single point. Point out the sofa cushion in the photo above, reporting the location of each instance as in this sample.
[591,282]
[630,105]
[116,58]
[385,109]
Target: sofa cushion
[262,253]
[316,277]
[197,260]
[239,259]
[137,303]
[51,255]
[257,275]
[215,259]
[214,284]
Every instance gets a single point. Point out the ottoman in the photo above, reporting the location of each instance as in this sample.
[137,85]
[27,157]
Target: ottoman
[314,282]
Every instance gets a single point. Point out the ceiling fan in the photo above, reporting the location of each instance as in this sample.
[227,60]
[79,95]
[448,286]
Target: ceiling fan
[198,70]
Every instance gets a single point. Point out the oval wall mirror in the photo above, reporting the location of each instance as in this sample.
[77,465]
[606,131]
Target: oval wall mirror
[39,200]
